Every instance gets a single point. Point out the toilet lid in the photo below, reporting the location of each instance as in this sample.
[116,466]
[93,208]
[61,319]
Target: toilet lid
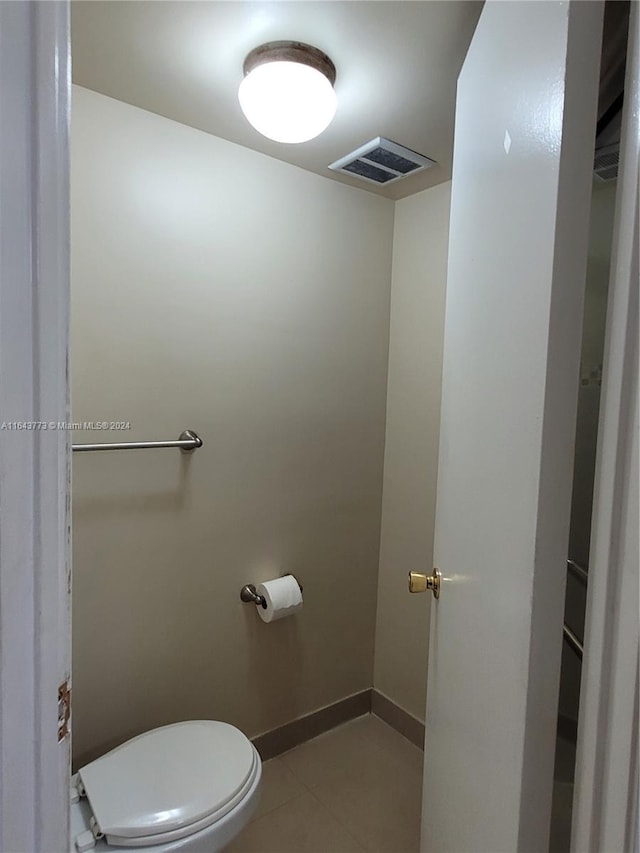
[173,780]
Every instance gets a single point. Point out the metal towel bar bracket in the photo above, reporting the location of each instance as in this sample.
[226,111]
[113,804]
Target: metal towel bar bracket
[187,442]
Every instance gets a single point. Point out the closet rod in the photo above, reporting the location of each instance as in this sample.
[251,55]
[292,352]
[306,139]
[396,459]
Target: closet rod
[578,571]
[572,641]
[187,442]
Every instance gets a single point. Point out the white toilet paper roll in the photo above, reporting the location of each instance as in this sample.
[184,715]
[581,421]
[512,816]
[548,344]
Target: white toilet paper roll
[283,597]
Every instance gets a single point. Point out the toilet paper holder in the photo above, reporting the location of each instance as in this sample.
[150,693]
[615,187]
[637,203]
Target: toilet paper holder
[249,595]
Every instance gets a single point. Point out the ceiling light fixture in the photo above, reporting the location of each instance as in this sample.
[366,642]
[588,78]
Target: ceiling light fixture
[287,92]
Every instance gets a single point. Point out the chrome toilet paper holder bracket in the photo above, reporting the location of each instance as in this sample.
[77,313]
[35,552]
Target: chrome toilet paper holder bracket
[249,595]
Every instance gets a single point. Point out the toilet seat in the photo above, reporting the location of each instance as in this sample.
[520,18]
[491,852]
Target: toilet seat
[168,783]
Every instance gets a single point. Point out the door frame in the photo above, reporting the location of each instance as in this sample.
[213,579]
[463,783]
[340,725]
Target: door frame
[35,484]
[605,815]
[35,554]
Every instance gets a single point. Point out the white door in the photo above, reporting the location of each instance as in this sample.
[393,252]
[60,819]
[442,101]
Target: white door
[525,127]
[35,598]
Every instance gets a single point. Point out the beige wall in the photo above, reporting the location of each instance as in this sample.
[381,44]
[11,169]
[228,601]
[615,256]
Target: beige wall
[220,290]
[411,452]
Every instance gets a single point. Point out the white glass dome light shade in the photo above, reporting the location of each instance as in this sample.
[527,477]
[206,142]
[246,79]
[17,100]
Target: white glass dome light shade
[287,101]
[287,94]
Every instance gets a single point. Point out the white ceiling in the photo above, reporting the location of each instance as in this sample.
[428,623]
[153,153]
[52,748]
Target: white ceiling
[397,64]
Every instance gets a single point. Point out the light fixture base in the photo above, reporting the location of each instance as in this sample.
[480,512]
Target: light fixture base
[291,51]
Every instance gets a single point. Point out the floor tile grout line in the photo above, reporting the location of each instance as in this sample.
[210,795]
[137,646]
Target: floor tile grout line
[343,769]
[289,799]
[363,841]
[365,738]
[338,820]
[279,806]
[324,808]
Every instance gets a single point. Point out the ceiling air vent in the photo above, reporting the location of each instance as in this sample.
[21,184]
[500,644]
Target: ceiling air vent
[382,162]
[605,163]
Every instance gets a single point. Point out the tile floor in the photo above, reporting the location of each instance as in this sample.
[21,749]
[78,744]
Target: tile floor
[356,788]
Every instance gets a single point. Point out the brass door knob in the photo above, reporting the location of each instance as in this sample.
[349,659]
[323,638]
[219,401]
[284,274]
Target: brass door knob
[419,582]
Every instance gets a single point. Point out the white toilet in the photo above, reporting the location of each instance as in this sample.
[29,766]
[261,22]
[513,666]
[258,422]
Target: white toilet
[188,787]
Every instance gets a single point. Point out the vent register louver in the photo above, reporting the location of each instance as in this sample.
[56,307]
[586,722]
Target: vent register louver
[605,163]
[382,162]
